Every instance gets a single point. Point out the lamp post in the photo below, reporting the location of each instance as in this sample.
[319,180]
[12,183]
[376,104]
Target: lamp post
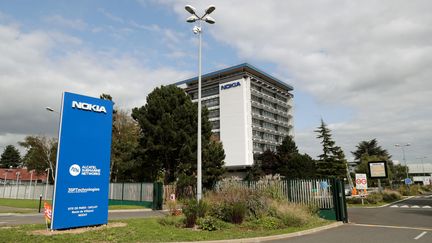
[50,163]
[198,31]
[403,154]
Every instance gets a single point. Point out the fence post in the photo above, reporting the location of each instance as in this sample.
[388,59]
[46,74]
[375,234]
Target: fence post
[289,190]
[334,191]
[141,192]
[157,195]
[122,190]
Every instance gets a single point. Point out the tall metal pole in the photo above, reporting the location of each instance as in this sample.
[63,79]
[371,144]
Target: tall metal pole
[199,154]
[46,185]
[406,166]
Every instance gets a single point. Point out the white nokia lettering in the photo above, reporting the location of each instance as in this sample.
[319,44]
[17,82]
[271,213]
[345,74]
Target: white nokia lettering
[88,107]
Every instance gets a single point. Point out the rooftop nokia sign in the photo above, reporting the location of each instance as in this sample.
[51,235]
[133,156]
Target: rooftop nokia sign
[83,162]
[230,85]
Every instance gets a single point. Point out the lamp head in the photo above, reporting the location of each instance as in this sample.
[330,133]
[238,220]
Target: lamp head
[210,9]
[192,19]
[190,9]
[209,20]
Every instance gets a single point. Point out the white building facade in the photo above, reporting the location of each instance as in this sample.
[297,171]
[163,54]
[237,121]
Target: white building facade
[250,111]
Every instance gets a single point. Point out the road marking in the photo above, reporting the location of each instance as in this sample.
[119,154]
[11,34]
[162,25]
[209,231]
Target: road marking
[426,207]
[420,235]
[404,206]
[394,206]
[392,227]
[415,206]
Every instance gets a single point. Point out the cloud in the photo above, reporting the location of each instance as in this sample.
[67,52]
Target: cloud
[35,68]
[374,57]
[61,21]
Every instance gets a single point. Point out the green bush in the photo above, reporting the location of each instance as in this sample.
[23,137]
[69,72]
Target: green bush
[237,212]
[374,198]
[391,196]
[354,200]
[193,210]
[211,224]
[271,223]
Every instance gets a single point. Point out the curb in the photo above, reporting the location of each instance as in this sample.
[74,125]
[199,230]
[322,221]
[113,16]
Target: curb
[273,237]
[129,210]
[388,204]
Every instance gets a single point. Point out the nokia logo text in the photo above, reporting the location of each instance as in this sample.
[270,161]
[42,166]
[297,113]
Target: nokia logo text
[231,85]
[88,107]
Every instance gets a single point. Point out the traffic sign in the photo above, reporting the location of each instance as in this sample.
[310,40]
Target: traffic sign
[408,181]
[361,181]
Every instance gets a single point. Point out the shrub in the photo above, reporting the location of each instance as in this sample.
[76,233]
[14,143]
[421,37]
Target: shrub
[193,210]
[211,224]
[257,206]
[354,200]
[292,214]
[391,196]
[237,212]
[374,198]
[404,191]
[173,208]
[271,223]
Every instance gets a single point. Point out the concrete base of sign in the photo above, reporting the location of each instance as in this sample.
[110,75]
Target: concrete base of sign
[78,230]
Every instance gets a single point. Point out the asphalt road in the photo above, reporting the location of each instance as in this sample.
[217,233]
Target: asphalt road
[18,219]
[407,221]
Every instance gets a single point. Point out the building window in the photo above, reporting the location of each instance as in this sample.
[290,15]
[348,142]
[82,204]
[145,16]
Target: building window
[210,102]
[213,113]
[215,124]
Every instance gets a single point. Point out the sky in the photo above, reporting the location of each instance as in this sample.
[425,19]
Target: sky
[364,67]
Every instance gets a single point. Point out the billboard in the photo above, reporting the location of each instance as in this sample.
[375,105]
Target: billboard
[377,169]
[83,162]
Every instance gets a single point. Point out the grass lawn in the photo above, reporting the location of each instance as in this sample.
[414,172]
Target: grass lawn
[143,230]
[32,206]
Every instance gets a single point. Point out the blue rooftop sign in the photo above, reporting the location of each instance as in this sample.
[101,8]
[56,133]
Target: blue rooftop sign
[83,162]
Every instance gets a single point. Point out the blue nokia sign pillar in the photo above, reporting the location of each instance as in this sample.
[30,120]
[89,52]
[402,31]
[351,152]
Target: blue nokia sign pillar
[83,162]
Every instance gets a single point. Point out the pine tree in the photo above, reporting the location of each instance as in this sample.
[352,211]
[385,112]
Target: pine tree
[168,143]
[370,148]
[10,157]
[331,162]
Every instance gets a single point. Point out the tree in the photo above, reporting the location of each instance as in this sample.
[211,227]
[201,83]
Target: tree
[41,154]
[297,166]
[287,162]
[287,146]
[10,157]
[167,144]
[213,164]
[370,148]
[125,136]
[331,162]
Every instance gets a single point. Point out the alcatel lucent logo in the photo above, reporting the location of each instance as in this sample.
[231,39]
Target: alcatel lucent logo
[74,170]
[88,107]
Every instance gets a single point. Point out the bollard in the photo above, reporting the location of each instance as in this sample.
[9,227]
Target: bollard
[40,202]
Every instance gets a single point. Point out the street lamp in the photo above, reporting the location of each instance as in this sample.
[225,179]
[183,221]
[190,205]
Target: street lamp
[403,153]
[198,31]
[49,160]
[51,110]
